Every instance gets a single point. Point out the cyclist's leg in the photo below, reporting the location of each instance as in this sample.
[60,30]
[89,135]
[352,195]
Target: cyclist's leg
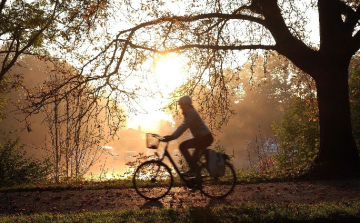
[184,149]
[197,153]
[198,143]
[201,143]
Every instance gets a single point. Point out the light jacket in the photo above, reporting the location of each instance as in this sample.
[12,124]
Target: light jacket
[194,122]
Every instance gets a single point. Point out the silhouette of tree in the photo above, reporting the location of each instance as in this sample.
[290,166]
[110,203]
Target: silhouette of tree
[211,33]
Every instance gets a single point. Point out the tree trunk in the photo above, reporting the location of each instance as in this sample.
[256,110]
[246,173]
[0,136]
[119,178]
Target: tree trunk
[338,154]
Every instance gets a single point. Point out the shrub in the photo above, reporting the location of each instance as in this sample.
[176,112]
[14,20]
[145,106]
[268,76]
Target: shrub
[298,133]
[16,168]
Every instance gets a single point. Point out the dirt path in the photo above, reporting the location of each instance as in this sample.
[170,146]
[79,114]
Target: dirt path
[74,201]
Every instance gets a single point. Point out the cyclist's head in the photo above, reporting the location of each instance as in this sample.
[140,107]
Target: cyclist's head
[185,100]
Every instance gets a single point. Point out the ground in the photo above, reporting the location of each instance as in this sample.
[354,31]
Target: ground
[75,201]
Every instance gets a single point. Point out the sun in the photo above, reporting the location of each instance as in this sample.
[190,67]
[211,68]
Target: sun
[169,73]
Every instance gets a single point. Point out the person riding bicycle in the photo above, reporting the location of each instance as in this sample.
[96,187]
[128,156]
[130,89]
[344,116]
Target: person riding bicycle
[201,133]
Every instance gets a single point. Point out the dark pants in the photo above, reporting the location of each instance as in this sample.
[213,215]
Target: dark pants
[199,143]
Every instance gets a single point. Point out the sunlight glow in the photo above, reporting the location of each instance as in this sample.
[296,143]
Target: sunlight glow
[168,75]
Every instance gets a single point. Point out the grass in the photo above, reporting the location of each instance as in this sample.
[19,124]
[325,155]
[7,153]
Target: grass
[324,212]
[248,212]
[243,176]
[68,185]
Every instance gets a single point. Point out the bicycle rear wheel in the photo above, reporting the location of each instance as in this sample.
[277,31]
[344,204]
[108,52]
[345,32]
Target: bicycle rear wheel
[153,180]
[216,187]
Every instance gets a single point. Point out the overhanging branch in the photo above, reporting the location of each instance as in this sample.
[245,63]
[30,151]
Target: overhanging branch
[353,19]
[199,46]
[215,47]
[195,18]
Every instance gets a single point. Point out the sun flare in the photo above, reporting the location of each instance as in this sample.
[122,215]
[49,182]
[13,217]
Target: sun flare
[168,75]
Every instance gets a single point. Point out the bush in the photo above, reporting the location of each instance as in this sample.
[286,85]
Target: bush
[16,168]
[298,134]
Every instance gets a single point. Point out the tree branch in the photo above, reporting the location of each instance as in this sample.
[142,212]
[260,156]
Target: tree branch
[355,46]
[286,44]
[216,47]
[346,10]
[2,5]
[353,19]
[234,13]
[199,46]
[31,41]
[195,18]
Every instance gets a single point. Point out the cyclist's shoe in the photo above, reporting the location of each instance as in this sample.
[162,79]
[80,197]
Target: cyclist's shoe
[188,173]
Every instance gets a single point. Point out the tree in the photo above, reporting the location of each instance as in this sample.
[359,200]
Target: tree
[37,27]
[54,30]
[298,131]
[211,33]
[75,120]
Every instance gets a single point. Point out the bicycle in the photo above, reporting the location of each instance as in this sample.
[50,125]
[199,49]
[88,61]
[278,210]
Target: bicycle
[153,179]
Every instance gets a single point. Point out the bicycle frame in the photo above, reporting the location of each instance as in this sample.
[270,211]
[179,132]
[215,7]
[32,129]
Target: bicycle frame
[189,183]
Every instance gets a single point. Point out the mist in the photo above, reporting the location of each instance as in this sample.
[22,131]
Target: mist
[264,94]
[262,102]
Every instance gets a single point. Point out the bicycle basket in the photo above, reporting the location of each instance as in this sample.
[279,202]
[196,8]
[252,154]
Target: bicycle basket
[152,141]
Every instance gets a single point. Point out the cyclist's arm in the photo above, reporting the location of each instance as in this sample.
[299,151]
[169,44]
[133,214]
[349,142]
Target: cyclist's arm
[185,125]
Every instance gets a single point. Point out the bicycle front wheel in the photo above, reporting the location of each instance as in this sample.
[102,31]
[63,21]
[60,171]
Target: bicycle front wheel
[216,187]
[153,180]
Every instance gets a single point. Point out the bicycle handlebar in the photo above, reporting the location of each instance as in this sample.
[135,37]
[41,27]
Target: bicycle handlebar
[161,138]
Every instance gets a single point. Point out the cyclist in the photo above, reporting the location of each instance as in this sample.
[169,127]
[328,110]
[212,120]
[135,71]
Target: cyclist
[201,133]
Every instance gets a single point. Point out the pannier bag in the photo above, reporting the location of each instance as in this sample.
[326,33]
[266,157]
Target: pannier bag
[215,162]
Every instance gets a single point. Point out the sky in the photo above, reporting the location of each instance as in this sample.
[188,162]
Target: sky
[167,76]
